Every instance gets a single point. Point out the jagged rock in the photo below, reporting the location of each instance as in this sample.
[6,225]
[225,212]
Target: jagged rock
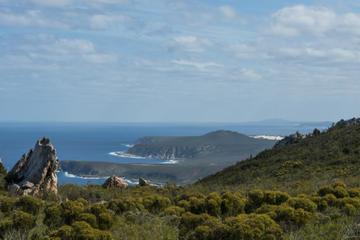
[291,139]
[348,123]
[115,182]
[143,182]
[35,172]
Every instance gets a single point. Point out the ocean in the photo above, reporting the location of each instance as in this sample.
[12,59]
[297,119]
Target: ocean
[97,141]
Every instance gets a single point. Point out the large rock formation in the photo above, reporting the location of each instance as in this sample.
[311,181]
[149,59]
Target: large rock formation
[114,182]
[35,172]
[347,123]
[291,139]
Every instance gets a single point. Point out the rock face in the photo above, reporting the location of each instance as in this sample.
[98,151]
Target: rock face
[291,139]
[35,172]
[114,182]
[143,182]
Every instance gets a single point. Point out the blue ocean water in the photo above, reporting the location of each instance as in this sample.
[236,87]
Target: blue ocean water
[94,141]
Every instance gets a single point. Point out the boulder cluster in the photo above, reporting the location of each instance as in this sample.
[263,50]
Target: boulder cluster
[35,172]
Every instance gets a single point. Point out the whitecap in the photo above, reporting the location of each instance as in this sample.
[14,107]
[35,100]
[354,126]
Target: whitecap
[125,155]
[171,161]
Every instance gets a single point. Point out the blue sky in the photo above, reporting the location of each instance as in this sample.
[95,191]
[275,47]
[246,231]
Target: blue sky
[178,61]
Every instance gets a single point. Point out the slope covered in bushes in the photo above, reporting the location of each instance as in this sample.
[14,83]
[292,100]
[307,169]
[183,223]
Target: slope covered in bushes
[316,160]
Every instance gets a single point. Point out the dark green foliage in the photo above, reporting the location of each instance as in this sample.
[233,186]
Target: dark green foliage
[254,227]
[22,220]
[7,204]
[30,204]
[299,167]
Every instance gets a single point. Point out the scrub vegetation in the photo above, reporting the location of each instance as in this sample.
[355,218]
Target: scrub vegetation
[308,190]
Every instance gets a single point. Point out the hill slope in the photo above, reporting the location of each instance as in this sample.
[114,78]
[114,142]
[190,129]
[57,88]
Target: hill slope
[315,160]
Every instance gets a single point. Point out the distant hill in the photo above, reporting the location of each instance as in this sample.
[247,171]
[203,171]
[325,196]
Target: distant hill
[316,159]
[198,157]
[219,146]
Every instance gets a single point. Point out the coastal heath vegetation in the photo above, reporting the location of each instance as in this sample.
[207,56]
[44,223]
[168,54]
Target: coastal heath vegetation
[279,194]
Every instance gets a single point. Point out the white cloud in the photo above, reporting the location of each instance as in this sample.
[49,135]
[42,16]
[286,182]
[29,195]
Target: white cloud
[332,55]
[100,58]
[203,67]
[189,43]
[101,21]
[227,11]
[29,18]
[66,46]
[63,3]
[292,21]
[52,3]
[250,74]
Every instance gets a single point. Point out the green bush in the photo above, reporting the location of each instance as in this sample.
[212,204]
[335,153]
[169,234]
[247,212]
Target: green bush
[70,210]
[30,204]
[89,218]
[23,221]
[105,221]
[53,215]
[231,204]
[303,203]
[256,197]
[275,197]
[253,227]
[173,210]
[7,204]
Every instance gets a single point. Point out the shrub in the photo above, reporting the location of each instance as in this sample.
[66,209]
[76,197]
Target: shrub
[156,203]
[256,197]
[89,218]
[105,221]
[253,227]
[23,221]
[197,205]
[190,221]
[354,192]
[70,210]
[231,204]
[7,204]
[325,190]
[303,203]
[173,210]
[120,206]
[340,192]
[275,197]
[200,233]
[53,215]
[30,204]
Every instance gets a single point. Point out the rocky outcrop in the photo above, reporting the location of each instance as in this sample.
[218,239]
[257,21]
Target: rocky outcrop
[143,182]
[348,123]
[35,172]
[291,139]
[114,182]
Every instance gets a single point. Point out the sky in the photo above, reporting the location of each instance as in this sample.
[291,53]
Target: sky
[179,60]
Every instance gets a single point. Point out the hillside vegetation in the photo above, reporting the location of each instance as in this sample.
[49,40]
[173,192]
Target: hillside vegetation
[316,160]
[240,202]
